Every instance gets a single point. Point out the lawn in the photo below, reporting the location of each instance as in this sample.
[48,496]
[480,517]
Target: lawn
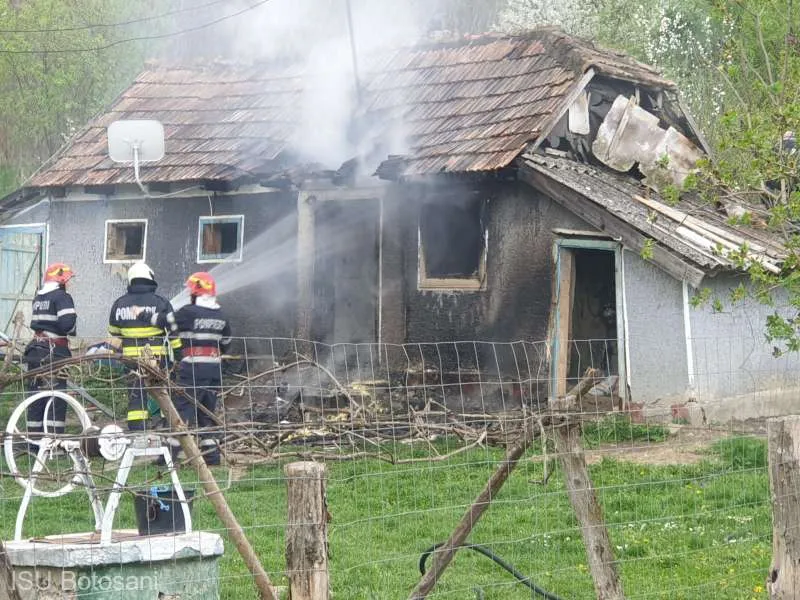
[679,532]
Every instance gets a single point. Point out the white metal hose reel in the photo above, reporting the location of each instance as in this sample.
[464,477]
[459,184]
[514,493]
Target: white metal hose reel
[110,442]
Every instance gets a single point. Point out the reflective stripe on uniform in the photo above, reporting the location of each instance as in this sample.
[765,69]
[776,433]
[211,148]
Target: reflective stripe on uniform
[44,317]
[65,311]
[175,343]
[138,415]
[140,332]
[55,423]
[206,443]
[190,335]
[136,351]
[201,359]
[113,330]
[35,423]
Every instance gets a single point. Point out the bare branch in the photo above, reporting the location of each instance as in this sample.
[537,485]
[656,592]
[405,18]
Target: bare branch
[767,61]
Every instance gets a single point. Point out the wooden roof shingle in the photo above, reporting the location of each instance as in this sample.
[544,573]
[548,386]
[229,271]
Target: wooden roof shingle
[469,105]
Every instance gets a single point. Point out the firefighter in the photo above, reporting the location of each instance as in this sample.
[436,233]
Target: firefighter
[52,321]
[205,333]
[136,336]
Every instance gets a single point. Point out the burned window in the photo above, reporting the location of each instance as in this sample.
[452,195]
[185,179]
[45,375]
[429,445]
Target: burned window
[452,245]
[125,240]
[220,239]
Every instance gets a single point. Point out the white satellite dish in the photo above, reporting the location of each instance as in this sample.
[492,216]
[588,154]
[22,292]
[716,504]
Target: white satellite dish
[133,141]
[136,141]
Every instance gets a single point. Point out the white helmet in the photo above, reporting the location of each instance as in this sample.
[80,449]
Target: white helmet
[140,270]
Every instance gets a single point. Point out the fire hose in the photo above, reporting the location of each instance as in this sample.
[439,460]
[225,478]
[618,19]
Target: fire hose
[520,577]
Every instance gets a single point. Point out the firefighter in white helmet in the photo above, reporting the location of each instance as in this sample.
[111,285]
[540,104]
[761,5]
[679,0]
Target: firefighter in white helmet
[135,335]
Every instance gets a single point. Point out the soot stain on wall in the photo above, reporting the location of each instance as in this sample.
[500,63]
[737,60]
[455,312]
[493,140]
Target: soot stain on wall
[517,300]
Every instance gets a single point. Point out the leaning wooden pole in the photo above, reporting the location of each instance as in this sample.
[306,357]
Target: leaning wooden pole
[783,434]
[19,321]
[214,494]
[445,553]
[307,531]
[8,588]
[568,445]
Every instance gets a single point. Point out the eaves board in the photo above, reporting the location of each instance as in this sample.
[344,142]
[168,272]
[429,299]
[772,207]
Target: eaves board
[603,220]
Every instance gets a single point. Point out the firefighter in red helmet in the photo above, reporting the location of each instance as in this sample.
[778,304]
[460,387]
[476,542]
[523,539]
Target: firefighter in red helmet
[53,319]
[205,334]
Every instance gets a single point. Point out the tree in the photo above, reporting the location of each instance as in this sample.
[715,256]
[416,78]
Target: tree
[683,38]
[756,164]
[61,61]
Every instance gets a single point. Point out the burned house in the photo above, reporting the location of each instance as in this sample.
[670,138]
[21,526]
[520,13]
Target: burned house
[506,189]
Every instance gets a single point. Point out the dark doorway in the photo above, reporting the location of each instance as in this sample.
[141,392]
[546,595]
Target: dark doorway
[594,314]
[346,271]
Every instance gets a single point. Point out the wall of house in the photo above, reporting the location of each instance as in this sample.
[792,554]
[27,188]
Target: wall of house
[655,331]
[77,230]
[736,374]
[516,303]
[517,300]
[36,213]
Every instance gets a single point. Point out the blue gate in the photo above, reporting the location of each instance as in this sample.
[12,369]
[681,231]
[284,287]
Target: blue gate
[21,263]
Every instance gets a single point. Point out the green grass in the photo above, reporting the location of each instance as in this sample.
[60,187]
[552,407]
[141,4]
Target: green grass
[742,452]
[617,429]
[684,532]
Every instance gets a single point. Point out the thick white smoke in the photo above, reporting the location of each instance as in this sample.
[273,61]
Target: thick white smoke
[317,34]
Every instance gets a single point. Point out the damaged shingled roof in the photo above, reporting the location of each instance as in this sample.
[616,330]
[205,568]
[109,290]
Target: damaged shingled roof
[691,239]
[470,105]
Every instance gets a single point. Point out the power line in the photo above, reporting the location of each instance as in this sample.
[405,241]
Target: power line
[142,38]
[117,24]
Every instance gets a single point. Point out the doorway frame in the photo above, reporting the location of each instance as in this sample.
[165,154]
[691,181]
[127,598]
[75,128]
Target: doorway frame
[309,198]
[587,243]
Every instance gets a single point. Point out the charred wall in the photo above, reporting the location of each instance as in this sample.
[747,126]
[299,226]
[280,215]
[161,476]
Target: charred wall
[515,301]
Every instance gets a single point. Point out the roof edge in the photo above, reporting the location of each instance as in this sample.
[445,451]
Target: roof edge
[678,267]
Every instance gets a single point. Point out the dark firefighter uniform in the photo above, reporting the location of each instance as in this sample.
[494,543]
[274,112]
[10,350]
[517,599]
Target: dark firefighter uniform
[53,318]
[205,334]
[137,335]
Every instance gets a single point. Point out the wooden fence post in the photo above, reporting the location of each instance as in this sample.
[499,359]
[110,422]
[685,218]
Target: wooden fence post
[783,435]
[307,531]
[567,441]
[446,552]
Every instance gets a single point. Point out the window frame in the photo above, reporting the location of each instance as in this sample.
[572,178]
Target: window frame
[475,283]
[123,261]
[211,219]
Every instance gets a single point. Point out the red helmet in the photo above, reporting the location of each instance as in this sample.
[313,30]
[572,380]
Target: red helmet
[58,272]
[201,284]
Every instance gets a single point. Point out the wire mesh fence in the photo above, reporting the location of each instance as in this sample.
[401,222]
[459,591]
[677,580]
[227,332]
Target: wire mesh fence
[409,435]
